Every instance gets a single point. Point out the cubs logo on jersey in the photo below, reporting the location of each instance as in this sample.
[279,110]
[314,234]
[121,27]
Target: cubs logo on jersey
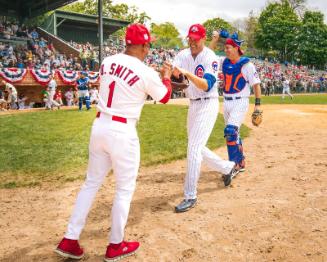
[215,65]
[199,71]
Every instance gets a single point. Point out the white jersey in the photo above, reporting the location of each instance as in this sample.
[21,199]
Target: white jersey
[9,87]
[94,93]
[52,85]
[286,84]
[250,75]
[205,62]
[125,83]
[69,95]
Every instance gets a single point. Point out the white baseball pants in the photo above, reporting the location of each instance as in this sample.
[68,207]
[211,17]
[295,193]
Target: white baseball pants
[51,101]
[113,145]
[235,111]
[202,116]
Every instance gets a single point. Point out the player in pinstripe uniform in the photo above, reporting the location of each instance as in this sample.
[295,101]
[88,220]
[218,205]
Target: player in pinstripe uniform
[200,66]
[239,75]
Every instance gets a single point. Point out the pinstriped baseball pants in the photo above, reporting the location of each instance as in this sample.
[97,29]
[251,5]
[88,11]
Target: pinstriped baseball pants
[202,115]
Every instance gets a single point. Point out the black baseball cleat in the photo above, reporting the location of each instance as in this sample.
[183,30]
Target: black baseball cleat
[185,205]
[228,177]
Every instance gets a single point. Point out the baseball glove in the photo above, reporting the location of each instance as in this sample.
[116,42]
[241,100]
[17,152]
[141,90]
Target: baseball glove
[256,117]
[180,83]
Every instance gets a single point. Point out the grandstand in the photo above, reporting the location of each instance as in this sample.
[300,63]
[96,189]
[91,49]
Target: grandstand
[29,55]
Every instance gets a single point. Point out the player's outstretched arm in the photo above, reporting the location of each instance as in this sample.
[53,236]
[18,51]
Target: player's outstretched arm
[166,72]
[200,83]
[214,41]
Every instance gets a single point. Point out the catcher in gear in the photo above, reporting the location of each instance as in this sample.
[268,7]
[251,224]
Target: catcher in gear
[180,83]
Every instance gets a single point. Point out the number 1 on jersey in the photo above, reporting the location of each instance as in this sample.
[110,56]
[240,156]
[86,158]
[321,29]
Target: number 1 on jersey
[111,93]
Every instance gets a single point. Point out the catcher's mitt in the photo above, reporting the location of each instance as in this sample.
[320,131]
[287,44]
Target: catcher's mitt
[179,83]
[256,117]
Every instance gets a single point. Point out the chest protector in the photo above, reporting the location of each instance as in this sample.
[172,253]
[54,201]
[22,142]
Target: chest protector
[234,81]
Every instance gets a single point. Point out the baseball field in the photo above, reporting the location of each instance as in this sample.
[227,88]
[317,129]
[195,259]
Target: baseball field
[275,211]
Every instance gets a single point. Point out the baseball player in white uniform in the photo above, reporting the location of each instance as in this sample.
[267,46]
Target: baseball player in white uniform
[239,75]
[199,64]
[69,95]
[52,90]
[286,87]
[114,144]
[12,95]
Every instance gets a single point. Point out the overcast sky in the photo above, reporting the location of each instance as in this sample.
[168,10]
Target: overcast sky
[184,13]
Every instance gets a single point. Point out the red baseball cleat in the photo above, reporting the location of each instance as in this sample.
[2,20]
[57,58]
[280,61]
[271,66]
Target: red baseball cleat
[116,252]
[69,248]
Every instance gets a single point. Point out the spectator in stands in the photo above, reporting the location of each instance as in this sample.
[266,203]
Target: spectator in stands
[34,34]
[84,56]
[94,58]
[42,43]
[20,63]
[7,33]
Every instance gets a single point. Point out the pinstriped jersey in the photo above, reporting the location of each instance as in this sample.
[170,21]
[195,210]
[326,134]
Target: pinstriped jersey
[250,75]
[205,62]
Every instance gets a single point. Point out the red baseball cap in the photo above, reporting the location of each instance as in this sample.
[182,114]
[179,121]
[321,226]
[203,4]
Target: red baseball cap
[137,34]
[197,32]
[232,42]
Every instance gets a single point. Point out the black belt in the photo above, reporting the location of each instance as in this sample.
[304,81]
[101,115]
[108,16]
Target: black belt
[201,98]
[231,98]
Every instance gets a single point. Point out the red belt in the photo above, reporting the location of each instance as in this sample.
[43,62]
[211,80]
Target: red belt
[115,118]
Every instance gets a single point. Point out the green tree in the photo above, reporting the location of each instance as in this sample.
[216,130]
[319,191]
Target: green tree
[278,26]
[251,25]
[118,11]
[313,40]
[166,35]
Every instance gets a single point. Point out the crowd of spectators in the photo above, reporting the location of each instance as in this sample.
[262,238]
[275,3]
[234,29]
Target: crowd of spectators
[22,47]
[301,78]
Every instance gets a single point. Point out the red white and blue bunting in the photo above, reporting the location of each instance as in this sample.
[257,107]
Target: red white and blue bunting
[13,75]
[68,76]
[42,76]
[93,77]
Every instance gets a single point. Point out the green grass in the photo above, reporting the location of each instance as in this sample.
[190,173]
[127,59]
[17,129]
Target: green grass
[53,145]
[299,99]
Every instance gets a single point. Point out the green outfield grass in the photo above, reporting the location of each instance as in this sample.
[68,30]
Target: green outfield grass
[298,99]
[48,146]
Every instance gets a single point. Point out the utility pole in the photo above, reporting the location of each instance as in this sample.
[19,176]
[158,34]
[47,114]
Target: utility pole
[100,31]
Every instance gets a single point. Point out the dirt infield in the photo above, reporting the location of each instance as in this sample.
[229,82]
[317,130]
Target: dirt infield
[275,211]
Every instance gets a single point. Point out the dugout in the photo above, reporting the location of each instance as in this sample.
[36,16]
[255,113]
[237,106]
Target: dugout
[80,28]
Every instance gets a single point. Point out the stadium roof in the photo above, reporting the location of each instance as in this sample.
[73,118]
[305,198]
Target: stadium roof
[30,8]
[85,21]
[80,27]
